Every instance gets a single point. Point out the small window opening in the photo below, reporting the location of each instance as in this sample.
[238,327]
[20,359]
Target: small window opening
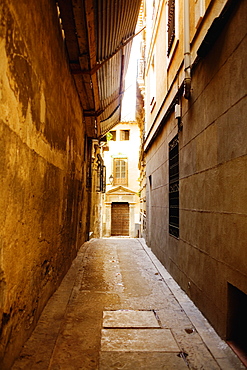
[124,135]
[237,322]
[113,135]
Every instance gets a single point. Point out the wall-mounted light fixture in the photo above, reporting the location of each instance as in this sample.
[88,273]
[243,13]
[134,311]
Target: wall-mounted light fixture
[111,179]
[177,111]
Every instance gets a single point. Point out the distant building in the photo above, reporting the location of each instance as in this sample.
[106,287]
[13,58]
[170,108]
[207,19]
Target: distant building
[121,200]
[194,146]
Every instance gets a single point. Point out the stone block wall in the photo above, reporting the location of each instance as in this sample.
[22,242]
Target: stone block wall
[213,175]
[42,167]
[210,253]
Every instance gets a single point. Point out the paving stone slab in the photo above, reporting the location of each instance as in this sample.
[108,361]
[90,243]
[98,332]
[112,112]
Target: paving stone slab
[141,360]
[129,319]
[69,334]
[147,340]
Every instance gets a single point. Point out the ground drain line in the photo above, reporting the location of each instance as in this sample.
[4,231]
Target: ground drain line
[132,327]
[163,279]
[157,318]
[66,309]
[184,356]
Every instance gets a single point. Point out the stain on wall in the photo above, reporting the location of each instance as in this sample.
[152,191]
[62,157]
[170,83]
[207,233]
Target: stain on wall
[44,201]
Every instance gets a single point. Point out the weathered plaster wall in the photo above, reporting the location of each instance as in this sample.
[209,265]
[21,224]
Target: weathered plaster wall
[211,250]
[42,171]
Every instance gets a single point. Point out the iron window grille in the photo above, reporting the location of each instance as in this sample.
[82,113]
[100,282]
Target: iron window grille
[174,187]
[101,175]
[101,179]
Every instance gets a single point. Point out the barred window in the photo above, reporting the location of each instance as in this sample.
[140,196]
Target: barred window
[101,175]
[101,178]
[174,187]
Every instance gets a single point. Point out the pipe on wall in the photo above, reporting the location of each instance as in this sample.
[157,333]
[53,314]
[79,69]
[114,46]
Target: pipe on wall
[187,62]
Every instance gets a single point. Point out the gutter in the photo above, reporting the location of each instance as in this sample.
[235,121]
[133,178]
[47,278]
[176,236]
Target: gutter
[187,57]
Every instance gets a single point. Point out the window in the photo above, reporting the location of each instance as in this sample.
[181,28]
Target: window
[174,187]
[113,135]
[171,24]
[199,11]
[101,179]
[124,135]
[152,84]
[120,171]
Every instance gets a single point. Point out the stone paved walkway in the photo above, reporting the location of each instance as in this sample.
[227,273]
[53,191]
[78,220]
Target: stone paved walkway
[118,308]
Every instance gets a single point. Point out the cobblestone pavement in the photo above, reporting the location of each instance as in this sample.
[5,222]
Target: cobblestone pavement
[118,308]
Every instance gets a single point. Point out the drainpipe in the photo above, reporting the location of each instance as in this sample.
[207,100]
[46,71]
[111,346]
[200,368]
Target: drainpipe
[187,74]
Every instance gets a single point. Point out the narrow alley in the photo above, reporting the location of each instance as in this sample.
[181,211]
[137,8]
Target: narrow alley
[123,166]
[118,308]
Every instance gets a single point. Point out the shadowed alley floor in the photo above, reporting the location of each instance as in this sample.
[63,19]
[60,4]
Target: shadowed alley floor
[118,308]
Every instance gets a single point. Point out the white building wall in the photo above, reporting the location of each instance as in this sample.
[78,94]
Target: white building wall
[128,149]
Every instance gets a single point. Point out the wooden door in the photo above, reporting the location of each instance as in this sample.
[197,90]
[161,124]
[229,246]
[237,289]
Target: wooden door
[120,219]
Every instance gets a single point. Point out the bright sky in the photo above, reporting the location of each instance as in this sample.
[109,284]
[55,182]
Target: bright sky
[129,99]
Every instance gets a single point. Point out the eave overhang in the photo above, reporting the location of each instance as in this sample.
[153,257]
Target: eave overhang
[98,37]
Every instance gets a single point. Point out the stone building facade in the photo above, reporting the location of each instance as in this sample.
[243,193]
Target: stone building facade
[195,152]
[55,92]
[121,201]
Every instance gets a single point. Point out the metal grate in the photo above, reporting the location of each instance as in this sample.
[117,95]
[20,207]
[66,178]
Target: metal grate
[101,175]
[174,187]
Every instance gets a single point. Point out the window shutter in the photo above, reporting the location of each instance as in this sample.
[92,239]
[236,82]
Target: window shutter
[171,24]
